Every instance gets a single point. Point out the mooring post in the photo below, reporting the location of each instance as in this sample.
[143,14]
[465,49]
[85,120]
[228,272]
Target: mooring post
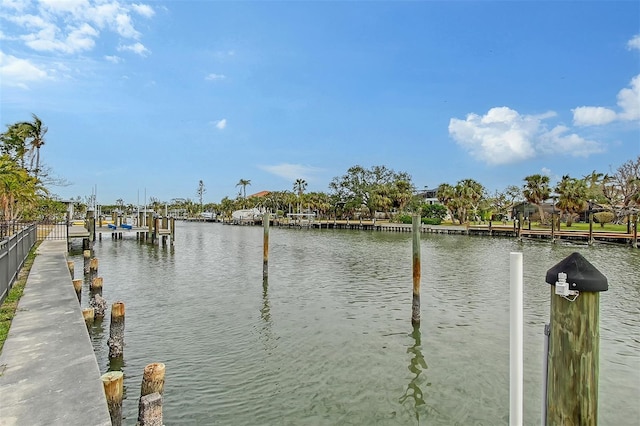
[151,390]
[96,285]
[88,314]
[634,241]
[77,286]
[113,384]
[265,247]
[99,304]
[86,256]
[116,331]
[173,230]
[93,266]
[574,342]
[71,267]
[415,304]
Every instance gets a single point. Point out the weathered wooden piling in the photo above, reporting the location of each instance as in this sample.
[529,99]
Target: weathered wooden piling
[96,284]
[150,410]
[415,305]
[77,286]
[93,266]
[113,384]
[153,379]
[574,342]
[173,230]
[116,330]
[88,314]
[71,267]
[99,304]
[265,246]
[86,256]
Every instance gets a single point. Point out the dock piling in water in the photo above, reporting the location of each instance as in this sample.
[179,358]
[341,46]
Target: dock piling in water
[116,330]
[265,247]
[415,304]
[77,286]
[113,383]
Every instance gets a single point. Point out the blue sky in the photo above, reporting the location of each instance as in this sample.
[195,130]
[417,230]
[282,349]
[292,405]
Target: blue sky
[151,97]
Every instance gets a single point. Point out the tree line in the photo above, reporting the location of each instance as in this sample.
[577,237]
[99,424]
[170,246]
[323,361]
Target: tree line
[361,192]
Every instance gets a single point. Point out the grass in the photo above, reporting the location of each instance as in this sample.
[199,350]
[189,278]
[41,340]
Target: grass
[10,304]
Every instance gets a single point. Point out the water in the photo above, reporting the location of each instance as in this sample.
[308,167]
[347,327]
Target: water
[329,341]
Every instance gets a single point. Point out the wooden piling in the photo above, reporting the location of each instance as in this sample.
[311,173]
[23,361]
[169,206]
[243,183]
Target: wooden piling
[415,305]
[573,360]
[93,266]
[77,286]
[71,267]
[116,330]
[96,284]
[173,230]
[100,306]
[86,255]
[88,314]
[150,410]
[153,379]
[265,247]
[113,383]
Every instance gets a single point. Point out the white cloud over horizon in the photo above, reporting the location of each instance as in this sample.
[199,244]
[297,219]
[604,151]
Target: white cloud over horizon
[634,43]
[628,103]
[504,136]
[291,172]
[220,124]
[214,77]
[19,72]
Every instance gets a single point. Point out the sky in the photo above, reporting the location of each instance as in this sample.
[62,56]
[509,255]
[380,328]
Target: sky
[145,99]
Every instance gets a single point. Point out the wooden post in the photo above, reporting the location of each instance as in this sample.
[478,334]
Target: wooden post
[77,286]
[265,247]
[415,305]
[71,267]
[574,342]
[590,226]
[150,410]
[150,226]
[634,241]
[100,306]
[86,256]
[116,330]
[88,314]
[93,266]
[173,230]
[113,383]
[96,285]
[153,379]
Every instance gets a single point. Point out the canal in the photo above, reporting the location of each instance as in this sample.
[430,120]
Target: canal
[328,340]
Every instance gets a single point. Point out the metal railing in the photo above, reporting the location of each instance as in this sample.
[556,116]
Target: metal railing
[13,252]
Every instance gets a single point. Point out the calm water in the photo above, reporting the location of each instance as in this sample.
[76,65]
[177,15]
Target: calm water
[328,340]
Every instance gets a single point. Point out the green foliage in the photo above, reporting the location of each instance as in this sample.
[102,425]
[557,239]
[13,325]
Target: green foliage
[603,217]
[433,211]
[404,218]
[431,221]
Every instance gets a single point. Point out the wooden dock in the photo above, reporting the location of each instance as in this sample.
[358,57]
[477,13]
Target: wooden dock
[482,230]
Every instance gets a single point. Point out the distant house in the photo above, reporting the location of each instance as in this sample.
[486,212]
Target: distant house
[259,194]
[429,196]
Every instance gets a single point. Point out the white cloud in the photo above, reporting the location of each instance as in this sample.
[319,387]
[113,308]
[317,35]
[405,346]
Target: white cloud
[18,72]
[114,59]
[634,43]
[137,48]
[72,26]
[215,77]
[628,103]
[291,172]
[143,10]
[220,124]
[593,116]
[504,136]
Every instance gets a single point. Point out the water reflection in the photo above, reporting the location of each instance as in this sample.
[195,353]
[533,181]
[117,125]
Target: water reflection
[266,331]
[417,365]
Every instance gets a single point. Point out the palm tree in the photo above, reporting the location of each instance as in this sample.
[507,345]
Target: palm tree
[299,186]
[243,183]
[573,196]
[536,190]
[35,133]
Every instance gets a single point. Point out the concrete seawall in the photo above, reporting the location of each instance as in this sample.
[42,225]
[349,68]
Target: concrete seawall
[48,370]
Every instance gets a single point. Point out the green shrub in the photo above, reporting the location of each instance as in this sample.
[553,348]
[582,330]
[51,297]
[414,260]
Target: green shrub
[404,218]
[431,221]
[603,217]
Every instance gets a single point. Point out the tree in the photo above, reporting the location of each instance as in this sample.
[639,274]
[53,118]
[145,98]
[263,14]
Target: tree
[35,136]
[370,189]
[621,189]
[536,190]
[573,196]
[299,186]
[200,192]
[243,183]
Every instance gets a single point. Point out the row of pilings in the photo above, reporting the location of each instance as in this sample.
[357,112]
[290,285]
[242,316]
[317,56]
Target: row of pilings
[152,387]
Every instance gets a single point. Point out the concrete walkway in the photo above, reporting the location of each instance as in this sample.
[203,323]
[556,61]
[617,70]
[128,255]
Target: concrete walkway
[48,370]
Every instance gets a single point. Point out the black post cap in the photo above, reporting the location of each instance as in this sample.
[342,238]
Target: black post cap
[581,275]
